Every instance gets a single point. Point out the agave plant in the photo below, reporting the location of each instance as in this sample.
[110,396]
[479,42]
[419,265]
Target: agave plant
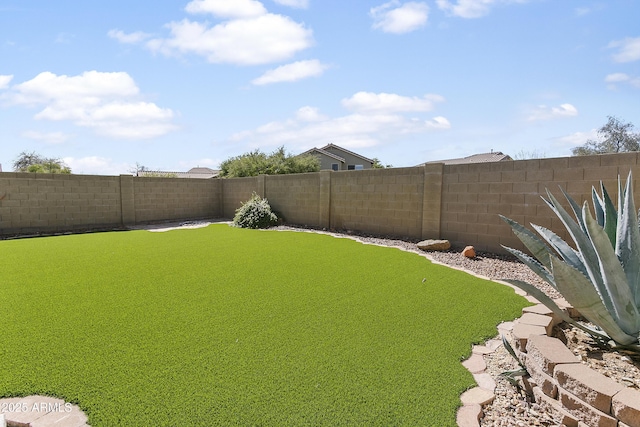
[601,276]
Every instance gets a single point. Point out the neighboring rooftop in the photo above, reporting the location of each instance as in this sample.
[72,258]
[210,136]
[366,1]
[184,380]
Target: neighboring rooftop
[494,156]
[197,172]
[337,158]
[315,150]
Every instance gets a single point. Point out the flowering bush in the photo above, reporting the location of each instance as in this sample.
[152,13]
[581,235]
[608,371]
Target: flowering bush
[255,213]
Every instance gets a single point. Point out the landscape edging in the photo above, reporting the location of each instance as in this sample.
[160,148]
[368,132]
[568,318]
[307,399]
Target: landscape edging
[624,409]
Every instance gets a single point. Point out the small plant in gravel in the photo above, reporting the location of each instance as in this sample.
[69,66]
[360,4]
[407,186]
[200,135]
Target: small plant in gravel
[601,276]
[513,374]
[255,213]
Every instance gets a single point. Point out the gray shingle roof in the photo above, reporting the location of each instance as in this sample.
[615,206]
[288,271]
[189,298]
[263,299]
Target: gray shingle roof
[346,151]
[326,153]
[198,172]
[495,156]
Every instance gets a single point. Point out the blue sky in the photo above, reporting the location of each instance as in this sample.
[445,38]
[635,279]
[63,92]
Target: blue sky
[106,84]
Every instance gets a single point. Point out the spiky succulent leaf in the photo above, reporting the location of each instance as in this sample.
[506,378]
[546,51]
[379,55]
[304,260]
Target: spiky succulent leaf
[625,313]
[610,215]
[536,246]
[575,207]
[628,241]
[551,305]
[566,252]
[580,293]
[584,246]
[534,265]
[513,375]
[598,207]
[512,352]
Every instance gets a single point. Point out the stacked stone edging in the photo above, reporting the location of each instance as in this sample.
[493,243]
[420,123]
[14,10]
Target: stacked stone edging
[574,393]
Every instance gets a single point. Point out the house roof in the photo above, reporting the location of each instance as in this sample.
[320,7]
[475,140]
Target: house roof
[333,146]
[494,156]
[199,169]
[326,153]
[197,172]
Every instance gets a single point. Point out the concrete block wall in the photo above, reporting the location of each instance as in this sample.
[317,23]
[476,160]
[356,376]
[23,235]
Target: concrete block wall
[35,202]
[237,191]
[473,195]
[460,203]
[50,203]
[298,195]
[165,199]
[386,201]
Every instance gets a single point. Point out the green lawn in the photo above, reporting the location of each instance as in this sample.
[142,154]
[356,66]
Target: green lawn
[226,326]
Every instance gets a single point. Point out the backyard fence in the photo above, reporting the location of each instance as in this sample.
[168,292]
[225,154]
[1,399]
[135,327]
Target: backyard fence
[460,203]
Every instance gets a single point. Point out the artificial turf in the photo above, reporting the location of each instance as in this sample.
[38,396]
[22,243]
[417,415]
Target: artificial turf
[226,326]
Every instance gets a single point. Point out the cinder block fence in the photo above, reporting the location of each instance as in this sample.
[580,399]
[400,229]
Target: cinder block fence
[456,202]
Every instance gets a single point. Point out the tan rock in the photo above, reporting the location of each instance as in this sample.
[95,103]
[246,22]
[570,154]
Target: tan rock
[587,385]
[548,352]
[545,382]
[583,411]
[469,415]
[626,406]
[538,320]
[478,396]
[485,381]
[555,408]
[475,364]
[469,252]
[521,333]
[434,245]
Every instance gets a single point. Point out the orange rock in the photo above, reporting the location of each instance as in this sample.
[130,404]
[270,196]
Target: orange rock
[469,252]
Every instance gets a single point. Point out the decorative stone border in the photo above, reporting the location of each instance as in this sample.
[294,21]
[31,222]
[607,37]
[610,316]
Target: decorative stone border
[40,411]
[576,394]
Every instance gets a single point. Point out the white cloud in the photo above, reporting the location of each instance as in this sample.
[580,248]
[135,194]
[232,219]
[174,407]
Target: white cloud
[363,128]
[390,102]
[394,18]
[249,41]
[48,137]
[576,139]
[298,4]
[64,38]
[95,165]
[292,72]
[438,123]
[472,8]
[309,114]
[543,112]
[105,102]
[628,49]
[85,89]
[130,38]
[5,80]
[614,79]
[227,8]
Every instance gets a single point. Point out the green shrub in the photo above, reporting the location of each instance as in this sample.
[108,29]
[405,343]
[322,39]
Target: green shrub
[255,213]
